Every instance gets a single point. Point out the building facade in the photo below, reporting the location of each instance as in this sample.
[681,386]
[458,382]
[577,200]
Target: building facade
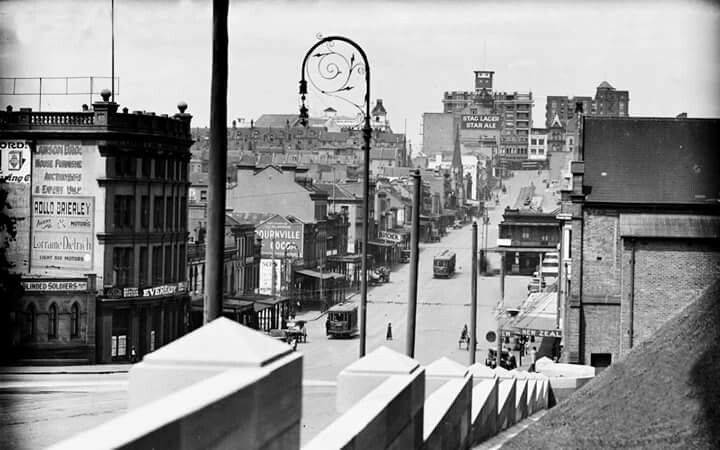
[608,102]
[102,235]
[641,225]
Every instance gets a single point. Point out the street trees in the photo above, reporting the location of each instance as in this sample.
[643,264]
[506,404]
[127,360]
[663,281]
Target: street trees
[10,287]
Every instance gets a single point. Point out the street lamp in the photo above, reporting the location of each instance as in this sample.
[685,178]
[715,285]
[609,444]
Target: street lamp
[335,73]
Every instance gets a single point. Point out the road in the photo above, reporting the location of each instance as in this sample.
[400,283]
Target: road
[39,409]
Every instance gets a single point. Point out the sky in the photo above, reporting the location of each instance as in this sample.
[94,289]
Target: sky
[666,53]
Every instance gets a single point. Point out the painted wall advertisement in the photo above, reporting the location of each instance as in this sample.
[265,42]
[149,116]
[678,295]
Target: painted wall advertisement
[63,212]
[266,275]
[15,158]
[278,234]
[480,121]
[62,232]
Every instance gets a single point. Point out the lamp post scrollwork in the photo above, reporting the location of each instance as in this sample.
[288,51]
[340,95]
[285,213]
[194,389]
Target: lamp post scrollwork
[334,66]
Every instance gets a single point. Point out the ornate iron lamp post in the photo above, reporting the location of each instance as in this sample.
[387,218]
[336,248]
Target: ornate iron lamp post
[335,74]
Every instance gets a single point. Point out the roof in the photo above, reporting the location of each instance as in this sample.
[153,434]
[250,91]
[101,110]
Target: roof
[251,217]
[275,120]
[335,192]
[651,160]
[663,394]
[605,85]
[341,307]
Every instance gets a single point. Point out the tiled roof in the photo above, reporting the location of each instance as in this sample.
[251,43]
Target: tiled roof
[275,120]
[336,193]
[652,160]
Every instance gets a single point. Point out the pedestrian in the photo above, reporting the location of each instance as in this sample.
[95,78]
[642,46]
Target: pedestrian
[533,357]
[327,327]
[511,363]
[133,355]
[295,342]
[388,336]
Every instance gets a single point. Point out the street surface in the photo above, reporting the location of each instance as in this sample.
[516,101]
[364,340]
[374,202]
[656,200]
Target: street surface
[40,409]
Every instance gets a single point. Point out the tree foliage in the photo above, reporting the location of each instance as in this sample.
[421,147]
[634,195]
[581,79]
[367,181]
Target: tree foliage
[10,285]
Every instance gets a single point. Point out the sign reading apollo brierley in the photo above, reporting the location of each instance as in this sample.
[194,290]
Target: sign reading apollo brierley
[62,210]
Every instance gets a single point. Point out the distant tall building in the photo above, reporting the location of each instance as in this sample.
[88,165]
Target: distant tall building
[489,121]
[608,102]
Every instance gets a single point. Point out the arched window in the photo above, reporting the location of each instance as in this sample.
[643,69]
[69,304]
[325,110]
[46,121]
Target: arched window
[75,320]
[52,321]
[30,320]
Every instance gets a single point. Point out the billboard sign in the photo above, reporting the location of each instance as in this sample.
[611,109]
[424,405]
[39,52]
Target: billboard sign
[278,234]
[480,121]
[15,162]
[62,232]
[266,275]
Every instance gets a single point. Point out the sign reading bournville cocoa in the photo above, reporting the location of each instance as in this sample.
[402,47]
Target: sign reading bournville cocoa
[278,234]
[480,121]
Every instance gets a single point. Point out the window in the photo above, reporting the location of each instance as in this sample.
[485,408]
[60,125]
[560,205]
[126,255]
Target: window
[525,232]
[183,212]
[159,168]
[183,171]
[169,216]
[181,263]
[123,266]
[124,212]
[158,212]
[52,321]
[145,212]
[157,265]
[146,167]
[30,320]
[124,166]
[143,267]
[168,264]
[541,141]
[203,196]
[171,169]
[533,141]
[75,320]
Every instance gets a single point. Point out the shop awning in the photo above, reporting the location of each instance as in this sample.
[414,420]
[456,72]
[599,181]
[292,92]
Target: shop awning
[318,275]
[381,244]
[538,316]
[522,249]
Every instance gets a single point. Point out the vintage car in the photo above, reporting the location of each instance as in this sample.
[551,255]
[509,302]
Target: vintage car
[296,330]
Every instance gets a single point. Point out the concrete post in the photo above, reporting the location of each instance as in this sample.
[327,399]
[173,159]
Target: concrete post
[365,374]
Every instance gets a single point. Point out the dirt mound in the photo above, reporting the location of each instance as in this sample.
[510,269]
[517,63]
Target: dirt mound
[665,393]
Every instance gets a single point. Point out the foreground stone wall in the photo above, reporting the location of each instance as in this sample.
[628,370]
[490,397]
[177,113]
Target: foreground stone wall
[227,386]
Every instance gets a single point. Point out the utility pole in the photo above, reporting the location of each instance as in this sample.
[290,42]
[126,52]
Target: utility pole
[473,295]
[214,254]
[414,258]
[272,276]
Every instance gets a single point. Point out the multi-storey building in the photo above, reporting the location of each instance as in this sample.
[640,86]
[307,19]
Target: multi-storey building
[102,230]
[608,102]
[640,221]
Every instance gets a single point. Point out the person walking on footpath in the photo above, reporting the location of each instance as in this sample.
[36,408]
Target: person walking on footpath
[388,336]
[511,363]
[533,357]
[133,355]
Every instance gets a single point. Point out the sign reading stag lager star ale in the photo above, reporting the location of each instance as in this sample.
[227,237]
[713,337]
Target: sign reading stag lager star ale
[480,121]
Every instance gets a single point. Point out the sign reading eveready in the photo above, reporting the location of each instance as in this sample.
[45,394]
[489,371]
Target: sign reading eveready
[480,121]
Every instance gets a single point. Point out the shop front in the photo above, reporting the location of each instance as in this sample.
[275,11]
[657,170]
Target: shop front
[140,319]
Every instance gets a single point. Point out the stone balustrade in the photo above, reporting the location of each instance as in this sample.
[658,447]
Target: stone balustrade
[227,386]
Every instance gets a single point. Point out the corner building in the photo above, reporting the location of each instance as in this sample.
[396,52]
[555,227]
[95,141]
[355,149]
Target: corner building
[102,232]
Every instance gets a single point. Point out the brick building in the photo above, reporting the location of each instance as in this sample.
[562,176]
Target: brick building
[608,102]
[102,231]
[641,222]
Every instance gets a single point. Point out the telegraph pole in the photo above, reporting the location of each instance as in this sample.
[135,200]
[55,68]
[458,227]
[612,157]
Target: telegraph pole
[214,254]
[414,258]
[473,295]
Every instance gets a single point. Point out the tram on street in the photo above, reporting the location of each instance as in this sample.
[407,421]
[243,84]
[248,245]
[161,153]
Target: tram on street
[444,264]
[342,320]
